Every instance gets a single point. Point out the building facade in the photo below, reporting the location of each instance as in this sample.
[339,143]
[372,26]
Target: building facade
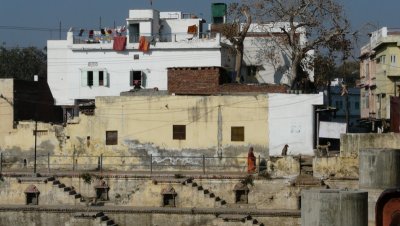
[108,62]
[380,75]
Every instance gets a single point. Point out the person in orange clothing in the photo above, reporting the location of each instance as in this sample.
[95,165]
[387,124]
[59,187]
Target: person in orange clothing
[251,161]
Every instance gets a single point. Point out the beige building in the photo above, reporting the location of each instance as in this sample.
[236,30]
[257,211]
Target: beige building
[6,108]
[380,74]
[161,125]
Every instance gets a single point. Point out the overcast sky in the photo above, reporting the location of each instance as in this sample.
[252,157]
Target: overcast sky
[33,14]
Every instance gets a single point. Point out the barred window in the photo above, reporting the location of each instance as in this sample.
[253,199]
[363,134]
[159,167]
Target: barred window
[237,133]
[179,132]
[111,137]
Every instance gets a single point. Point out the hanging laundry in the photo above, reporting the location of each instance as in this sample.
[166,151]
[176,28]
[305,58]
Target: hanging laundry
[91,33]
[97,33]
[81,32]
[119,43]
[144,45]
[192,29]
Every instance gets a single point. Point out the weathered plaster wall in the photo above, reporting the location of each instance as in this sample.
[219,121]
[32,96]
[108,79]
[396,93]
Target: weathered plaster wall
[66,218]
[6,108]
[337,167]
[350,144]
[264,194]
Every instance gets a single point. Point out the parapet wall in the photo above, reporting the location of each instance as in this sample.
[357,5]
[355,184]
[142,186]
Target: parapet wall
[351,143]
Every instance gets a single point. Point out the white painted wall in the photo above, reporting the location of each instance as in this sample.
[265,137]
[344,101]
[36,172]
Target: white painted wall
[67,60]
[273,72]
[291,121]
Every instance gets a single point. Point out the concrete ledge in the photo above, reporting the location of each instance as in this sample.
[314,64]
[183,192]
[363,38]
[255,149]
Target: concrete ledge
[161,210]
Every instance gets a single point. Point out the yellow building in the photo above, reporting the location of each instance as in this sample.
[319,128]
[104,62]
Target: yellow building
[380,74]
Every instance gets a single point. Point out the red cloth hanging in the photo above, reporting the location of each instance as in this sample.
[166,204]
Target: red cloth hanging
[119,43]
[144,45]
[192,29]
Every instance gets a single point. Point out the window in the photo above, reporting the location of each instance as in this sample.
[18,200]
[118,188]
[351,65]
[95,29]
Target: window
[252,70]
[393,59]
[94,77]
[237,133]
[136,79]
[383,59]
[111,137]
[90,78]
[101,78]
[179,132]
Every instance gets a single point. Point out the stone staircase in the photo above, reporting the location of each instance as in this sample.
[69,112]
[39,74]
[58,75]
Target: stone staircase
[245,219]
[70,190]
[104,220]
[100,217]
[306,165]
[220,202]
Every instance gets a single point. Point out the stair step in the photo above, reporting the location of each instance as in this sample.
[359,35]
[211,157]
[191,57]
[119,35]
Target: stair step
[212,195]
[99,214]
[217,198]
[194,184]
[56,182]
[72,192]
[51,179]
[67,189]
[78,196]
[206,191]
[61,185]
[200,188]
[223,202]
[110,222]
[104,218]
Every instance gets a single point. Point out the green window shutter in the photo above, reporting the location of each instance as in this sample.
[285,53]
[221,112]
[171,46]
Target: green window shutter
[95,78]
[106,78]
[131,78]
[144,79]
[84,78]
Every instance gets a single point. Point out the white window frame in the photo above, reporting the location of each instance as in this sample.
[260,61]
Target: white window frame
[84,77]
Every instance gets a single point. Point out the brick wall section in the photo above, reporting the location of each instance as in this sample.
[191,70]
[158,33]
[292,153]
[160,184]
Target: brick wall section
[195,81]
[209,81]
[251,88]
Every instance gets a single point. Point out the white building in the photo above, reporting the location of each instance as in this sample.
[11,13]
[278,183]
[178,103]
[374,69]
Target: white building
[83,67]
[291,121]
[266,59]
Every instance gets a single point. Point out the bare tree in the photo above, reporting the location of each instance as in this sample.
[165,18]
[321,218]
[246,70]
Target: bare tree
[321,22]
[236,33]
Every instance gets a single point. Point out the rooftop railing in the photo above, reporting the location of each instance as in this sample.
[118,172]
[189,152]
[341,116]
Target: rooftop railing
[135,38]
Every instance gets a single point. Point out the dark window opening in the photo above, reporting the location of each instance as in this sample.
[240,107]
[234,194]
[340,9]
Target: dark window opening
[32,195]
[237,133]
[111,137]
[32,199]
[169,200]
[101,78]
[90,78]
[241,196]
[136,79]
[102,191]
[252,70]
[179,132]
